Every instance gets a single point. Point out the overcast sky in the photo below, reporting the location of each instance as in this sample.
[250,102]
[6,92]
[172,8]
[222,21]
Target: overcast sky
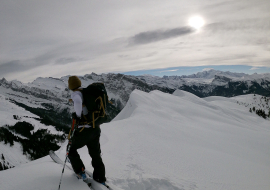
[57,38]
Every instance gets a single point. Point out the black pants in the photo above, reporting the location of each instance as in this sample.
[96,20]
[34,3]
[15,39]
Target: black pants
[90,138]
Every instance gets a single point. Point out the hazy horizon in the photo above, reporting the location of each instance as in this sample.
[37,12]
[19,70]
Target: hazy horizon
[177,71]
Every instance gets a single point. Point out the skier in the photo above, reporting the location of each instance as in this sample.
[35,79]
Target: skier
[84,135]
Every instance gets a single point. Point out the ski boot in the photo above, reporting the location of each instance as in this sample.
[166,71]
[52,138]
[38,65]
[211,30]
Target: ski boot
[82,176]
[103,183]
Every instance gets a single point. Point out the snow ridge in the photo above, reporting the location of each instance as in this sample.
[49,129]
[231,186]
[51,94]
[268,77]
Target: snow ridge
[163,141]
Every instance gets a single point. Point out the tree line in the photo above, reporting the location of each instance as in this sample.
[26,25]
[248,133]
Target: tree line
[260,112]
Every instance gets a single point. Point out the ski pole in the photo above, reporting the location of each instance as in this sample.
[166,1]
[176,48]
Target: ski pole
[69,145]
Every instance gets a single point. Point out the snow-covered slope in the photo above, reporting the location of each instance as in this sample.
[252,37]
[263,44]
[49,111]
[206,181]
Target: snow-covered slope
[7,110]
[251,102]
[10,114]
[162,141]
[255,102]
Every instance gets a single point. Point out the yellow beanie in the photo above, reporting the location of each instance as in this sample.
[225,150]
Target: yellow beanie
[74,82]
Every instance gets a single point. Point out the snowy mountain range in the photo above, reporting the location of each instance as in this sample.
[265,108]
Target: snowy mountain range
[42,110]
[211,73]
[53,94]
[164,141]
[215,83]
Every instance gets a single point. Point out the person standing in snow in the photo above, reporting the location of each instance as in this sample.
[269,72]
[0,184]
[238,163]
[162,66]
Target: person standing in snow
[84,135]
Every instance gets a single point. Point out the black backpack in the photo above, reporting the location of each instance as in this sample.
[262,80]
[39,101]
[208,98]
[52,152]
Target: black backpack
[95,99]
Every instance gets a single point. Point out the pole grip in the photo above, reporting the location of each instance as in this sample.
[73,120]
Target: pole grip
[72,128]
[73,124]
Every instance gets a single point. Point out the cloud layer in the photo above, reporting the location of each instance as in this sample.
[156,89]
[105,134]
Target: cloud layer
[158,35]
[56,38]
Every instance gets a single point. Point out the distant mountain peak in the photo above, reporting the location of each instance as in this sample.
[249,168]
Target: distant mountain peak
[3,80]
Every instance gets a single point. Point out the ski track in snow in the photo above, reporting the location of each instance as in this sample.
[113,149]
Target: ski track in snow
[162,141]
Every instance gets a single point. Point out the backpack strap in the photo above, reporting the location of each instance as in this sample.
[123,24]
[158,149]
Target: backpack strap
[81,129]
[93,117]
[93,113]
[102,105]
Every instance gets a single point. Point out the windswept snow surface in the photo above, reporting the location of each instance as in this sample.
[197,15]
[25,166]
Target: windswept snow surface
[161,141]
[187,142]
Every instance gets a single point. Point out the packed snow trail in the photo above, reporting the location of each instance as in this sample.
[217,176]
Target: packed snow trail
[41,174]
[174,142]
[94,185]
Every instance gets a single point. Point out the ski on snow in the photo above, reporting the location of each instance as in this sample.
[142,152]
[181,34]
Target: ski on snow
[58,160]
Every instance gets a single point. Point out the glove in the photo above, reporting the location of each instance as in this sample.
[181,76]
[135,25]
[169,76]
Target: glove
[77,119]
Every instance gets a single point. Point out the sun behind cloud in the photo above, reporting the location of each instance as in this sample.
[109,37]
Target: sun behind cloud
[196,22]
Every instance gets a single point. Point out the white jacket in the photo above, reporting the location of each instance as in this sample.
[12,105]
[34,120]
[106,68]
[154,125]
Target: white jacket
[77,99]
